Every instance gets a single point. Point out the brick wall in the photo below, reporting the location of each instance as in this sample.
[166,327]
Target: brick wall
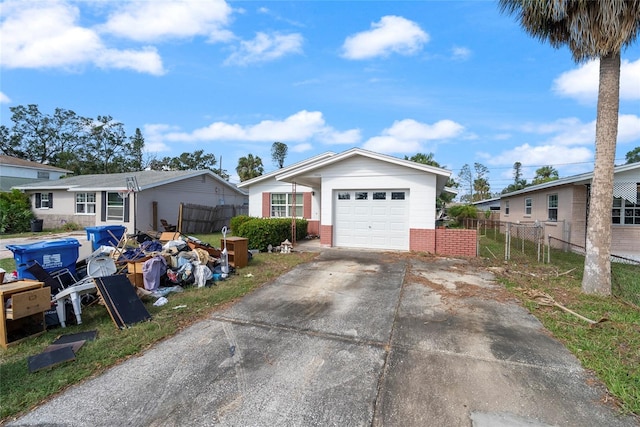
[422,240]
[456,242]
[313,227]
[326,235]
[443,241]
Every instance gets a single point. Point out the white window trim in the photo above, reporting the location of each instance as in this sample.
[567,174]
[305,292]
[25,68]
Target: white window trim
[110,217]
[549,207]
[288,205]
[86,204]
[529,207]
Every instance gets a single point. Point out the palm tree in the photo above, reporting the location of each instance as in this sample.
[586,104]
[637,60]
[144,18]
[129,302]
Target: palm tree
[545,174]
[591,30]
[249,167]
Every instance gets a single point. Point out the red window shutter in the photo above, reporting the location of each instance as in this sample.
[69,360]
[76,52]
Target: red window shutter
[306,205]
[266,205]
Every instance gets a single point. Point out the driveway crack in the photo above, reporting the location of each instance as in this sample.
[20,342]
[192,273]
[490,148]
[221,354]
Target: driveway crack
[378,404]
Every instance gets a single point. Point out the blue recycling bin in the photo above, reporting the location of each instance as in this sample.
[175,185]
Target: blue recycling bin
[105,235]
[52,255]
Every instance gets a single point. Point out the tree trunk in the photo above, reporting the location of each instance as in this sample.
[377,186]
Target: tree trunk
[597,263]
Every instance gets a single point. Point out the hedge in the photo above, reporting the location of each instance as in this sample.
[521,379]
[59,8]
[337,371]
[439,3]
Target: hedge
[263,232]
[15,212]
[237,221]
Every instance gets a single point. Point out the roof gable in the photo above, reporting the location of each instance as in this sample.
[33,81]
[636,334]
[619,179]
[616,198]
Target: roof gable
[285,175]
[22,163]
[273,174]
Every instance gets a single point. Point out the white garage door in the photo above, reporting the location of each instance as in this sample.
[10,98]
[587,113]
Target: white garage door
[372,219]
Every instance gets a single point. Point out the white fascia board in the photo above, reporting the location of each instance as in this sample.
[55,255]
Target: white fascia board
[365,153]
[279,171]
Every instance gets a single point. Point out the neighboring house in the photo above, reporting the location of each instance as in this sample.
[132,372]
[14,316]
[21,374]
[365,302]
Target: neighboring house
[562,207]
[14,171]
[489,205]
[356,198]
[94,200]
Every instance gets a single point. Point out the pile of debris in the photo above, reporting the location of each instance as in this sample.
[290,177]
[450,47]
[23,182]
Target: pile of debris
[170,260]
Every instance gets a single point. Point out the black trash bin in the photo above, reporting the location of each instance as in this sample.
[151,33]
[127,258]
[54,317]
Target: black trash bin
[36,225]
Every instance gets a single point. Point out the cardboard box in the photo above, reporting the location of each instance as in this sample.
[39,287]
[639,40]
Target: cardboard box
[169,235]
[136,266]
[136,279]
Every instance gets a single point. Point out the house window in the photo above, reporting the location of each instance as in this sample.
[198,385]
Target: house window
[115,207]
[44,200]
[282,205]
[625,211]
[553,207]
[43,175]
[528,203]
[344,196]
[382,195]
[86,203]
[397,195]
[506,207]
[362,195]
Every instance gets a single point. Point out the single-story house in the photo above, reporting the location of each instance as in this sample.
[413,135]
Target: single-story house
[356,198]
[562,207]
[492,204]
[137,200]
[15,171]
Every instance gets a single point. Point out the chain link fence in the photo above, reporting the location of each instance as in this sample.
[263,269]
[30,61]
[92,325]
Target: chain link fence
[522,241]
[625,272]
[529,242]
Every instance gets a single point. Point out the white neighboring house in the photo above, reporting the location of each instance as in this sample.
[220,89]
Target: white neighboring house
[562,207]
[95,200]
[356,198]
[14,171]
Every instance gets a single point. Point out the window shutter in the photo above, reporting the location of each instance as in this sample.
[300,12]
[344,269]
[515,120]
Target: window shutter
[266,205]
[103,208]
[126,209]
[306,205]
[50,200]
[38,200]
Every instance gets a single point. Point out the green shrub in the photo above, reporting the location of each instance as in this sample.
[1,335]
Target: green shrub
[70,226]
[461,212]
[263,232]
[237,221]
[15,212]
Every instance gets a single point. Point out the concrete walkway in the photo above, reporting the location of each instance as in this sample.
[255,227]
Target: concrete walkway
[353,338]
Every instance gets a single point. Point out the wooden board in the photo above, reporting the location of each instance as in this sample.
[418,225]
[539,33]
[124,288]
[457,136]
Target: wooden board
[50,358]
[122,301]
[80,336]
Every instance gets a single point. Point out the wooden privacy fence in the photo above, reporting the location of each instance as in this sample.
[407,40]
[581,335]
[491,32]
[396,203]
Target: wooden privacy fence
[199,219]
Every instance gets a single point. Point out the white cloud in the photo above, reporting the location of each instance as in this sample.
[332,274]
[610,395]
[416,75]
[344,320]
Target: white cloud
[46,34]
[301,148]
[628,128]
[4,99]
[582,83]
[540,155]
[153,137]
[265,47]
[392,34]
[299,127]
[460,53]
[408,136]
[154,20]
[571,131]
[146,60]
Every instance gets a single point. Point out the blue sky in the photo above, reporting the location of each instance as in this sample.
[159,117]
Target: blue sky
[455,78]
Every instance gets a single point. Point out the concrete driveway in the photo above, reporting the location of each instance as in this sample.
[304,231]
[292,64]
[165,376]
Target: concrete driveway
[351,339]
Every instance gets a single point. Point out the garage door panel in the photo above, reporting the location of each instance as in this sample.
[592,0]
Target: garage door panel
[380,223]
